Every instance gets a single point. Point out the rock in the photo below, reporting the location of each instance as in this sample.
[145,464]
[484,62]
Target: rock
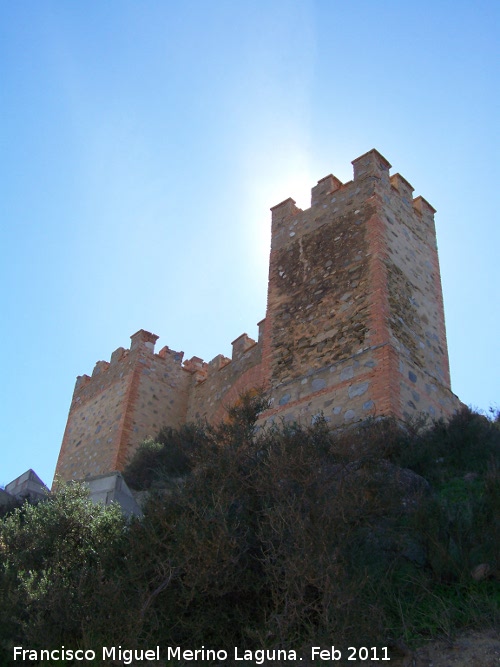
[481,572]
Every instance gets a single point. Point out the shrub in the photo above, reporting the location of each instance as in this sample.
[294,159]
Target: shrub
[166,457]
[58,565]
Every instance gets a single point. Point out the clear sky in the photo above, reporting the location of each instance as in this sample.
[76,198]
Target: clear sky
[143,143]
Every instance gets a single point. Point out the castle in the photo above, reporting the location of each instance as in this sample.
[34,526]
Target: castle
[354,327]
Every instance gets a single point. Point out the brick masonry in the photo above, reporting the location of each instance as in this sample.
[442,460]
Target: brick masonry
[354,327]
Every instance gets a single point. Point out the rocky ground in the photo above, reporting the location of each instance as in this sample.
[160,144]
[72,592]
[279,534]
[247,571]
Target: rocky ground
[474,649]
[477,649]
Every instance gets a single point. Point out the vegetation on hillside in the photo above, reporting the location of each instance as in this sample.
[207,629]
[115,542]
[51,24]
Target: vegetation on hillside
[268,538]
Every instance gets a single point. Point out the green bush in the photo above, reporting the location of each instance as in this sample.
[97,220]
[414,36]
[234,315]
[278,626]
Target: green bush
[59,569]
[467,444]
[166,457]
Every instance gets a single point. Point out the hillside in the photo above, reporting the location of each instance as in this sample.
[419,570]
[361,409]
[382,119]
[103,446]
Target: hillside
[379,535]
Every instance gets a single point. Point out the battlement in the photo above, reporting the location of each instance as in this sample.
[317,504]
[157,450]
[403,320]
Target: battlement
[354,327]
[371,164]
[226,379]
[143,342]
[105,372]
[325,187]
[241,348]
[371,178]
[143,338]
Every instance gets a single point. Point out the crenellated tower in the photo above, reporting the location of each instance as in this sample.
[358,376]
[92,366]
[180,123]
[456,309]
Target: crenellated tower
[355,308]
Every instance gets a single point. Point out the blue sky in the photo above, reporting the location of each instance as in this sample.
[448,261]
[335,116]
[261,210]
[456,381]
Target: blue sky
[143,144]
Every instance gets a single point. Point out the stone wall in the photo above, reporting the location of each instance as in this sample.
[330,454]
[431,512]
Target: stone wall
[124,402]
[416,321]
[226,379]
[354,303]
[318,304]
[135,394]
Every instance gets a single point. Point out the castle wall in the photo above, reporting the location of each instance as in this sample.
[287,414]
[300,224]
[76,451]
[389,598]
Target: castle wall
[125,401]
[354,327]
[93,429]
[158,396]
[226,379]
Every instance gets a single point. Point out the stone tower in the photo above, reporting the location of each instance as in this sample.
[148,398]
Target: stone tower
[354,327]
[355,308]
